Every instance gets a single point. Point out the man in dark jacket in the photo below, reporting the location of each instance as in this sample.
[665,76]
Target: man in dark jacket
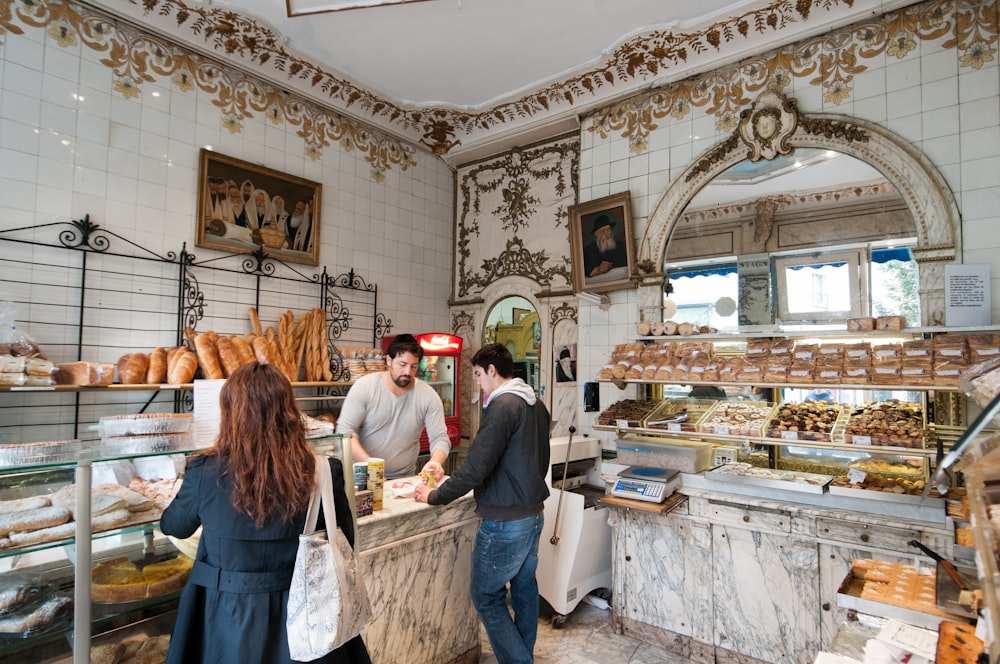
[505,469]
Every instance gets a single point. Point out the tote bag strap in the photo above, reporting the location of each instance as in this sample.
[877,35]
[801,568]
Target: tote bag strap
[322,495]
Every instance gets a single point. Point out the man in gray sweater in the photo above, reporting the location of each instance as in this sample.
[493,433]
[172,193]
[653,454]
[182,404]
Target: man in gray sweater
[505,468]
[385,412]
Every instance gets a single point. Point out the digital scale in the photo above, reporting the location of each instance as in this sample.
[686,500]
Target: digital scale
[653,485]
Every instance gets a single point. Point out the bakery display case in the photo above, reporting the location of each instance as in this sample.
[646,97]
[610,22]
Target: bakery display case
[862,408]
[87,400]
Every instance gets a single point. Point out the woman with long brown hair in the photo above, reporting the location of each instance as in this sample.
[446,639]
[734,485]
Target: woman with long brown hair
[249,493]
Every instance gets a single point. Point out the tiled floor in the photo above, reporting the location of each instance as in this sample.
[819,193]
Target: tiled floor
[586,638]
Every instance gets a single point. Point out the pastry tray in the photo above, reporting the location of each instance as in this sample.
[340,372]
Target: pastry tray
[849,597]
[719,429]
[948,592]
[785,480]
[888,496]
[835,435]
[670,408]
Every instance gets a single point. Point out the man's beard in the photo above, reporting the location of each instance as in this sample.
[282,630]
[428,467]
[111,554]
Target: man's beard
[606,244]
[403,380]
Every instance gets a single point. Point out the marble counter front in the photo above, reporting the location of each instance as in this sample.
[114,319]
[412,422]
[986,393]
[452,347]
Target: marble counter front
[729,577]
[417,562]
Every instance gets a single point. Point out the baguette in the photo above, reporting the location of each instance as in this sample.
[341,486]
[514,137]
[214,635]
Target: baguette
[208,357]
[255,321]
[157,371]
[181,371]
[261,350]
[134,372]
[228,356]
[243,349]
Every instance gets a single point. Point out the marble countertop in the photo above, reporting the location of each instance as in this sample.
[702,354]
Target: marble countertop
[404,518]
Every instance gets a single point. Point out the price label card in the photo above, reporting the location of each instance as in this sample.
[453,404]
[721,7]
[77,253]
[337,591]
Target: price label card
[722,431]
[673,426]
[789,435]
[861,440]
[621,424]
[855,476]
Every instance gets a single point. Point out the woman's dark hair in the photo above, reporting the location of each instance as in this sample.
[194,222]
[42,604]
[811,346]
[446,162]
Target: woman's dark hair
[404,343]
[496,355]
[263,442]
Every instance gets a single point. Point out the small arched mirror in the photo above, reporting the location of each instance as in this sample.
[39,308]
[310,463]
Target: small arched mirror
[514,323]
[811,237]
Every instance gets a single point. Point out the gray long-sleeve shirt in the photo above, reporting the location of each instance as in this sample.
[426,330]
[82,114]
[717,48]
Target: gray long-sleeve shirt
[389,426]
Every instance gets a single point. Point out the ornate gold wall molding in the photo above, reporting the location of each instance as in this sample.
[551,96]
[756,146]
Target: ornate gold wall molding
[230,33]
[513,220]
[136,58]
[831,61]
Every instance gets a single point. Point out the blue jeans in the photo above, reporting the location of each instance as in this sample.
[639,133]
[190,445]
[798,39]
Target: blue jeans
[507,552]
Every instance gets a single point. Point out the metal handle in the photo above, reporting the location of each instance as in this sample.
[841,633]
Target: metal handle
[555,526]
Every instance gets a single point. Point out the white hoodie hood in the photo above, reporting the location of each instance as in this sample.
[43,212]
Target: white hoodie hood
[514,386]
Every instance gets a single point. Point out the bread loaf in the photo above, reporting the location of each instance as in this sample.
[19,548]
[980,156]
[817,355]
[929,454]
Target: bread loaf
[85,373]
[208,357]
[120,366]
[156,373]
[183,368]
[243,349]
[262,350]
[134,371]
[229,358]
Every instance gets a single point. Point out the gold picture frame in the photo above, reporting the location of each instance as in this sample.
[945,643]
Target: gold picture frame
[605,220]
[243,207]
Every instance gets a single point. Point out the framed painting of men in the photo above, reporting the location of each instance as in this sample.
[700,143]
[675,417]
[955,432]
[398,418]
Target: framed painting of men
[244,206]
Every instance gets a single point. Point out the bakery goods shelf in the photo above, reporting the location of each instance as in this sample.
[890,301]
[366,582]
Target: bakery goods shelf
[792,386]
[117,387]
[830,333]
[763,440]
[137,522]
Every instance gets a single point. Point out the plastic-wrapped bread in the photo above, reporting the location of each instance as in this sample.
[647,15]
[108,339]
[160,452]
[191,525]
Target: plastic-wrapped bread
[36,366]
[85,373]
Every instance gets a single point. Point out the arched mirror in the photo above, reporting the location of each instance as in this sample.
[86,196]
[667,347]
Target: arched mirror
[811,237]
[513,322]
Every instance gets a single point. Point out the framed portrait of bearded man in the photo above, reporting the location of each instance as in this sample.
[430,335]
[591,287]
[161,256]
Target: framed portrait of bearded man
[243,207]
[601,242]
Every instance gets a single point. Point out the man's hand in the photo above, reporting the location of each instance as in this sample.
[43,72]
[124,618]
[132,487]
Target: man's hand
[601,269]
[420,493]
[434,469]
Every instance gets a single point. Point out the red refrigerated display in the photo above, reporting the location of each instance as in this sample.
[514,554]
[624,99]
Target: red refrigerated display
[440,368]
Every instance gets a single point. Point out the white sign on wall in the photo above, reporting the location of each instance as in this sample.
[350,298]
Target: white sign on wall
[967,294]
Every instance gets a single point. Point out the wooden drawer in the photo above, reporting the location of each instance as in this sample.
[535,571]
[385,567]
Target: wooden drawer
[881,537]
[757,518]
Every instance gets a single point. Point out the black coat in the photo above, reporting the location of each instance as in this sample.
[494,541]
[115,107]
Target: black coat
[218,625]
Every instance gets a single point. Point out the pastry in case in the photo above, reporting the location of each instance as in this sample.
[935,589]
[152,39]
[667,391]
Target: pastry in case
[53,451]
[150,444]
[810,420]
[893,423]
[121,580]
[737,418]
[144,424]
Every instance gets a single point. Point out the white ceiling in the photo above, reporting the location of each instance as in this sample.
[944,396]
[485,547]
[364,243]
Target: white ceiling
[471,53]
[475,77]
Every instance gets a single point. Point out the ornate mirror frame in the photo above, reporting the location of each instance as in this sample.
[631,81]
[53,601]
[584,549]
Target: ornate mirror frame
[773,125]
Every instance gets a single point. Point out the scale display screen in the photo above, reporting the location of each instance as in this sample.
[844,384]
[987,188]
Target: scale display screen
[653,485]
[639,490]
